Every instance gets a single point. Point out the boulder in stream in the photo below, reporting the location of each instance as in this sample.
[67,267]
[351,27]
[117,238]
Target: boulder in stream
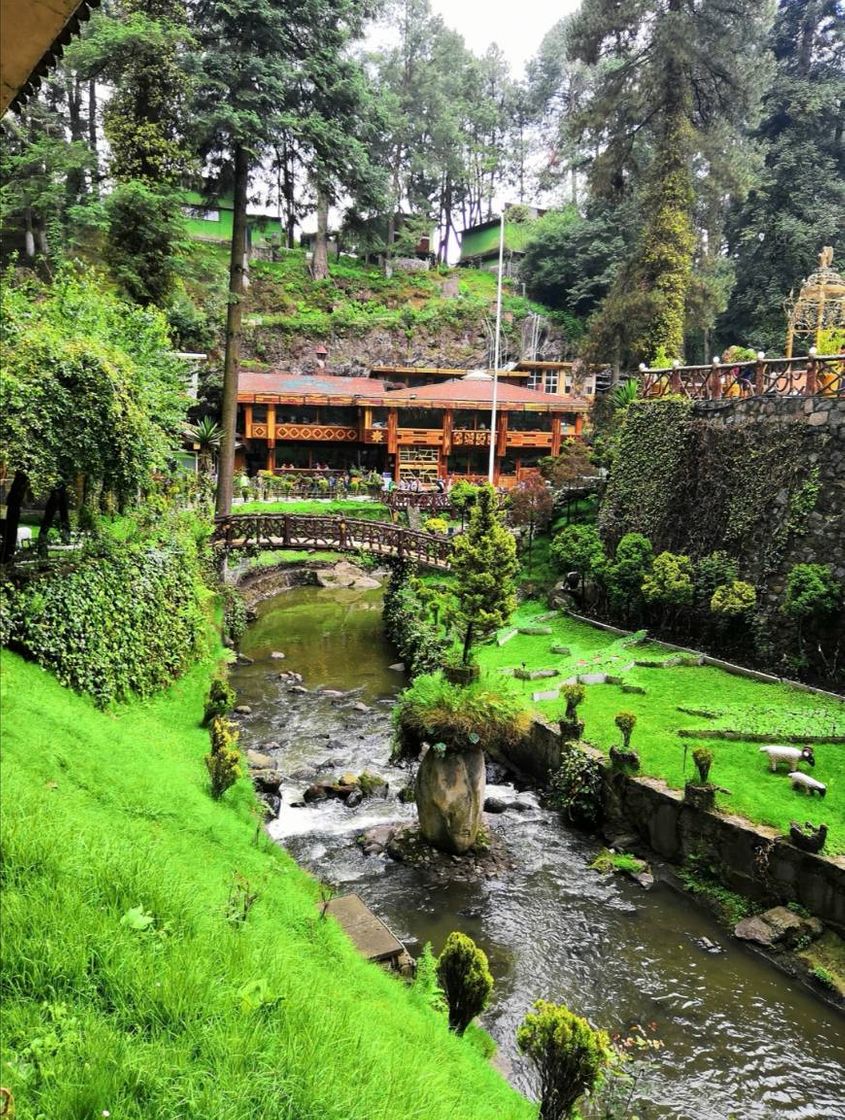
[450,798]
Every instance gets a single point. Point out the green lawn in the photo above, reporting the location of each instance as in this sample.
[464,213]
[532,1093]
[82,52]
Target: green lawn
[359,509]
[737,703]
[127,989]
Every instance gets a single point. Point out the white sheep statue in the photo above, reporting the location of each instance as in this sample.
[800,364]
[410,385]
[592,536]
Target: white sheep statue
[804,781]
[790,755]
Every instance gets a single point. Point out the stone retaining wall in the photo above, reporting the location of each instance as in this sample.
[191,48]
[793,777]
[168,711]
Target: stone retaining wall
[752,859]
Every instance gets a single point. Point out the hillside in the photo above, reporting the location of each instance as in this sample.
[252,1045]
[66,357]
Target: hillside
[134,987]
[441,317]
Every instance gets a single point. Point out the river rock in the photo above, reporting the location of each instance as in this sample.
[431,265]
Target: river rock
[778,926]
[354,799]
[242,659]
[297,688]
[243,710]
[316,792]
[260,761]
[266,781]
[365,583]
[450,797]
[494,805]
[359,706]
[277,655]
[398,667]
[332,693]
[304,774]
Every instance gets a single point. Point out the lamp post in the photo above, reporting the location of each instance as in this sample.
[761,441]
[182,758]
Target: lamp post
[496,349]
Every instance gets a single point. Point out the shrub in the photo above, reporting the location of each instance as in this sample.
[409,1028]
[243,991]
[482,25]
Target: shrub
[125,620]
[426,985]
[669,582]
[220,700]
[460,717]
[574,695]
[578,548]
[626,721]
[628,570]
[223,761]
[417,640]
[234,614]
[812,591]
[464,976]
[437,525]
[567,1053]
[576,789]
[712,571]
[733,599]
[703,760]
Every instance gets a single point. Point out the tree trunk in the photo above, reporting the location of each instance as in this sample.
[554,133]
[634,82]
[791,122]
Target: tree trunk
[92,136]
[467,643]
[320,259]
[234,317]
[14,501]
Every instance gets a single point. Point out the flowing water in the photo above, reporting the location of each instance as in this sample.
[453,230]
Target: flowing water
[734,1037]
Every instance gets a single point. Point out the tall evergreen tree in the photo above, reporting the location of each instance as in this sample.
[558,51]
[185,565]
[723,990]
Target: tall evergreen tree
[665,72]
[263,68]
[798,205]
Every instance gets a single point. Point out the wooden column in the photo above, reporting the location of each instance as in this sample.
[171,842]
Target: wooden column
[247,420]
[271,425]
[760,378]
[811,381]
[579,423]
[271,458]
[501,434]
[448,424]
[556,435]
[391,431]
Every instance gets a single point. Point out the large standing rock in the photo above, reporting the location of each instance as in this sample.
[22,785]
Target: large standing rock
[450,798]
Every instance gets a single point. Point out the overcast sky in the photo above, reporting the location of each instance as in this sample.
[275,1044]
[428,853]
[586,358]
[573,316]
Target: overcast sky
[518,26]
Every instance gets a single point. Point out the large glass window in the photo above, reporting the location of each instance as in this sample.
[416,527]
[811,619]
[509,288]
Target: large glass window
[529,422]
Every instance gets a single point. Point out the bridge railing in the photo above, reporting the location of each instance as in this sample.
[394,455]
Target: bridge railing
[271,531]
[788,377]
[423,500]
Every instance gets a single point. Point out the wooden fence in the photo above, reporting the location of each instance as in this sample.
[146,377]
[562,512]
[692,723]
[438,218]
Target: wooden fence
[780,377]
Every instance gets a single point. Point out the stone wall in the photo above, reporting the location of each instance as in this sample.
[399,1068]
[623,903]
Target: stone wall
[762,479]
[752,859]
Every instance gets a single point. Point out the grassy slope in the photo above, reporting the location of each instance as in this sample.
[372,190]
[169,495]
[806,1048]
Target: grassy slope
[741,704]
[193,1017]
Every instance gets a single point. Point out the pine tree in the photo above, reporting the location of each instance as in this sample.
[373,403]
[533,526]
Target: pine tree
[264,65]
[664,75]
[484,565]
[798,205]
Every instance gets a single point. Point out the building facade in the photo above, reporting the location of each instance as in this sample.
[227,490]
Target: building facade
[437,428]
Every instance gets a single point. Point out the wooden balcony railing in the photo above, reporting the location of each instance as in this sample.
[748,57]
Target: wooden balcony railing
[780,377]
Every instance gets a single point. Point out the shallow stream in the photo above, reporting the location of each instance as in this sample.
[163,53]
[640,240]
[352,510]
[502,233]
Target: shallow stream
[734,1037]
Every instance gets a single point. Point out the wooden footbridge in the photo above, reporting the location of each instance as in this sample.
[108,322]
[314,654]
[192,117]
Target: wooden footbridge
[259,532]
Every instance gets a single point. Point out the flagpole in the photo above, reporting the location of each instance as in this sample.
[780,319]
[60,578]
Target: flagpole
[496,351]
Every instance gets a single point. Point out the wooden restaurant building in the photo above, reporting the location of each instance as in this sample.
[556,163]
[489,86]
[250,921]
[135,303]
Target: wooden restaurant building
[421,423]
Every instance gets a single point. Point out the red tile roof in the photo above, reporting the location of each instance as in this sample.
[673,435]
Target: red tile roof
[275,383]
[480,391]
[460,391]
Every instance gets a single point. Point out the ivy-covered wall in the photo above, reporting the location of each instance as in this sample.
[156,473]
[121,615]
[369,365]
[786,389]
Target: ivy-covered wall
[125,620]
[763,479]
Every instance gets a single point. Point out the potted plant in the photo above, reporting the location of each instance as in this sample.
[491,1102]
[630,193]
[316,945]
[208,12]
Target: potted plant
[571,727]
[701,794]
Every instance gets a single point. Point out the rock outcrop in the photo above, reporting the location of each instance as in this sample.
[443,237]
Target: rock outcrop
[450,798]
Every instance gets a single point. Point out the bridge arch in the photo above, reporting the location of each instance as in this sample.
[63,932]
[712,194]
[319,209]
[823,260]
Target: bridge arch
[239,532]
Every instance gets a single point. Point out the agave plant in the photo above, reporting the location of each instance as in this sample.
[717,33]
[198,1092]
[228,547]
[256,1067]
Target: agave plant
[206,433]
[625,393]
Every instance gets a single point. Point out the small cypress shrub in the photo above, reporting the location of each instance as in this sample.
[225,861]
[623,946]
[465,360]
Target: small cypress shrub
[568,1054]
[703,760]
[223,760]
[574,695]
[464,976]
[626,722]
[220,700]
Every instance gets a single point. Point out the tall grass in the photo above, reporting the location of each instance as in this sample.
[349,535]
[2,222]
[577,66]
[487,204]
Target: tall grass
[128,987]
